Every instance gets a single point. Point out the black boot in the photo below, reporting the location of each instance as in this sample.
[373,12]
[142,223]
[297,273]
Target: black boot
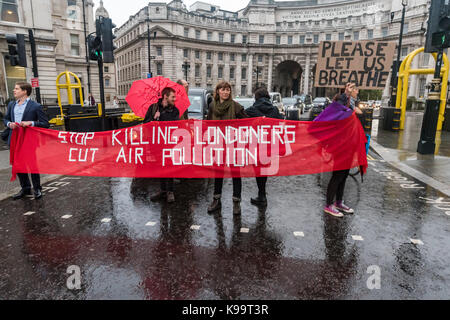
[216,204]
[22,193]
[236,206]
[260,200]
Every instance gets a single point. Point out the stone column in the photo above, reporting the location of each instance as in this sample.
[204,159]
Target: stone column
[306,73]
[269,73]
[250,76]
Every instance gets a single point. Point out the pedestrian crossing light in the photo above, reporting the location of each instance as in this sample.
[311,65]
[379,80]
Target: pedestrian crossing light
[94,47]
[16,49]
[107,37]
[438,32]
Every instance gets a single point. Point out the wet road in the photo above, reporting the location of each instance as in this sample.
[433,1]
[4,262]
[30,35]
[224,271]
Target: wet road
[130,248]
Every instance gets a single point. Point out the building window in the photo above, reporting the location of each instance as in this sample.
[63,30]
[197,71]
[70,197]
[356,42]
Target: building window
[328,37]
[186,32]
[289,39]
[9,10]
[232,56]
[404,51]
[316,38]
[290,24]
[341,36]
[106,69]
[209,35]
[186,53]
[220,56]
[278,40]
[232,73]
[71,9]
[233,38]
[197,54]
[243,90]
[356,35]
[260,58]
[384,32]
[159,69]
[369,34]
[244,39]
[74,45]
[197,34]
[244,57]
[220,37]
[422,83]
[316,23]
[302,39]
[220,72]
[208,71]
[405,27]
[159,51]
[197,70]
[261,39]
[208,55]
[107,82]
[244,73]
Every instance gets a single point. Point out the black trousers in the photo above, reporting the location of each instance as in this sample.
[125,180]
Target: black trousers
[237,187]
[166,184]
[336,186]
[261,182]
[25,181]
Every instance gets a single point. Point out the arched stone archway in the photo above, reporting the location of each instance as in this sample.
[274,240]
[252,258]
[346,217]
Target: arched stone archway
[287,78]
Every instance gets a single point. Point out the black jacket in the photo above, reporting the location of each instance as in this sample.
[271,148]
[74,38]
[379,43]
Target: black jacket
[170,113]
[263,108]
[33,112]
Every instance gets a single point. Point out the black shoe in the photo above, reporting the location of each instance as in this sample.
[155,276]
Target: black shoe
[22,193]
[259,201]
[216,204]
[37,194]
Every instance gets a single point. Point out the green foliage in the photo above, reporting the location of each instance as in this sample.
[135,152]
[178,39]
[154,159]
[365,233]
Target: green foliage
[365,95]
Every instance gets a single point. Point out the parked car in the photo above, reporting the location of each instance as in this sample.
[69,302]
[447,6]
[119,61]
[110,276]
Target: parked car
[245,102]
[200,99]
[275,97]
[306,99]
[321,102]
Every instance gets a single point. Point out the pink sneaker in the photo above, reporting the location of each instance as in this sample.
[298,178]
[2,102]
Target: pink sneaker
[342,207]
[331,209]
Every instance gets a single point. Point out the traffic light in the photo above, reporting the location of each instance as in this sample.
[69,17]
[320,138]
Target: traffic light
[438,31]
[94,47]
[17,51]
[107,36]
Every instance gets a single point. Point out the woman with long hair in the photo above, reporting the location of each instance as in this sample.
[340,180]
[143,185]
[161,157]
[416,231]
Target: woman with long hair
[223,107]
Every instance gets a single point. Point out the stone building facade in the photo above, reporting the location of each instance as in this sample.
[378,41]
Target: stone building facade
[60,43]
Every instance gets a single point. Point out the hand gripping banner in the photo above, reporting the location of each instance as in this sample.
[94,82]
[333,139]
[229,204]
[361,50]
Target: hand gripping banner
[194,149]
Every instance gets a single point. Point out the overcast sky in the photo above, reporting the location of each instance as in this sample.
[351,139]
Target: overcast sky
[121,10]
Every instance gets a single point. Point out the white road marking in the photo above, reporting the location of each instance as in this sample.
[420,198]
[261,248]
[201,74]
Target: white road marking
[150,223]
[245,230]
[195,227]
[299,234]
[66,216]
[417,241]
[106,220]
[357,238]
[29,213]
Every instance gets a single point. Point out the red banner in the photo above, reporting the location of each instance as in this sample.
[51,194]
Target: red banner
[194,149]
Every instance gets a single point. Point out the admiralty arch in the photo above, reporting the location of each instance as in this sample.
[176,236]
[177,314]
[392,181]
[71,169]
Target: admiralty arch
[271,43]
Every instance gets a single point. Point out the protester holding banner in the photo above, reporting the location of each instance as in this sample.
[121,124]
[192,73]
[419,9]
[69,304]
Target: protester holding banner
[164,110]
[23,112]
[262,107]
[223,107]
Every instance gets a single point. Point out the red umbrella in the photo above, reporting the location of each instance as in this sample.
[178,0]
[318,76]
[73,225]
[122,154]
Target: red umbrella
[144,93]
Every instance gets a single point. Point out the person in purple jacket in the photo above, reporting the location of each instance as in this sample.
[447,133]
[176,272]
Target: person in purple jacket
[342,107]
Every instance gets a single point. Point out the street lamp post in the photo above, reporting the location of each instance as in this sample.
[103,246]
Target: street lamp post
[257,76]
[399,51]
[148,47]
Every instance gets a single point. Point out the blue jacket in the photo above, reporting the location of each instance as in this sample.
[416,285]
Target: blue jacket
[33,112]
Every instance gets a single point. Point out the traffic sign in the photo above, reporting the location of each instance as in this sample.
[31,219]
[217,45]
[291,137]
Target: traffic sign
[35,82]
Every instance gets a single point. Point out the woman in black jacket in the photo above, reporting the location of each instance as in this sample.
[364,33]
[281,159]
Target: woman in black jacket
[262,107]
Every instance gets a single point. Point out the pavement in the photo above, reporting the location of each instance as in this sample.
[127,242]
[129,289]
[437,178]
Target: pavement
[124,246]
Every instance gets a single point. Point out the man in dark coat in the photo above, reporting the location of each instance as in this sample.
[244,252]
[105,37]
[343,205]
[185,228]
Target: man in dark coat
[262,107]
[23,112]
[164,110]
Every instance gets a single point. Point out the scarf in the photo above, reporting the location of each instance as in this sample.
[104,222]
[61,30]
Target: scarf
[224,110]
